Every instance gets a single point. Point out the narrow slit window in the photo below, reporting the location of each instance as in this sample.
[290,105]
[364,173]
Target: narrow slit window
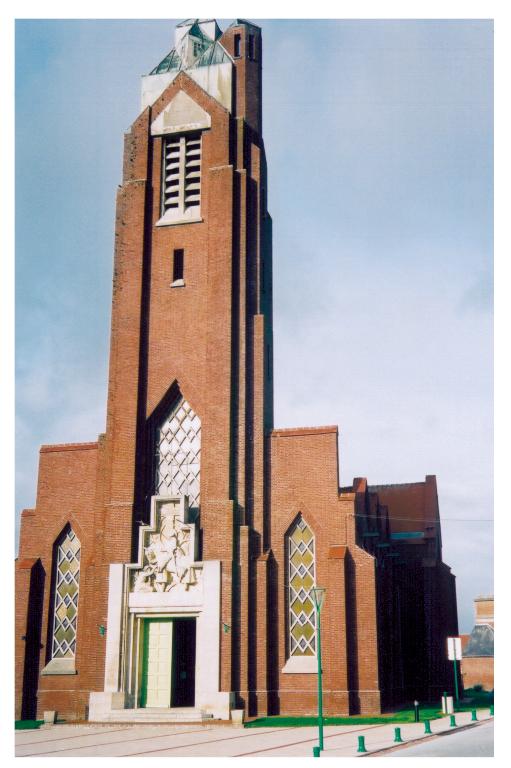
[178,265]
[237,46]
[251,47]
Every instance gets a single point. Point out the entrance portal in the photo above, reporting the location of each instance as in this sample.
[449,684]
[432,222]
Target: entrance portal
[168,668]
[183,663]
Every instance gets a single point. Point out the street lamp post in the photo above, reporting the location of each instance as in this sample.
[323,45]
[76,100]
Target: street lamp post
[318,594]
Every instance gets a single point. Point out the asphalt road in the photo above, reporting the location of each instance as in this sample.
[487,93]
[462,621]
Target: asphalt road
[474,742]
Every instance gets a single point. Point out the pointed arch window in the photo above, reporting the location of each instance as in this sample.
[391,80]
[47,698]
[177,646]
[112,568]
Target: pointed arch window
[301,569]
[67,587]
[178,450]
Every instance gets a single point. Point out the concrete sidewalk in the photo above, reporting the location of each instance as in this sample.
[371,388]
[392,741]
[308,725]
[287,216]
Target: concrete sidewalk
[220,741]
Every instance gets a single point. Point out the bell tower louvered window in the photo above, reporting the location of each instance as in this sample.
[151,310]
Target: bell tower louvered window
[181,183]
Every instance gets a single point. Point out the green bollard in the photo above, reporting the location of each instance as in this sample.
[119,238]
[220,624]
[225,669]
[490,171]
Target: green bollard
[427,726]
[316,752]
[492,709]
[397,736]
[453,721]
[361,744]
[474,715]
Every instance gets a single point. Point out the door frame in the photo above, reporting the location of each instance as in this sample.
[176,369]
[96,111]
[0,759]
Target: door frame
[138,660]
[144,656]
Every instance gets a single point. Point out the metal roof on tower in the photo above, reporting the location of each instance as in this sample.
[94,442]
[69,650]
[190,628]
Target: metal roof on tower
[194,48]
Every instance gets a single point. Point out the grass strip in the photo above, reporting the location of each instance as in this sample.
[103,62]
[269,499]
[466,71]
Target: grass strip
[407,716]
[27,725]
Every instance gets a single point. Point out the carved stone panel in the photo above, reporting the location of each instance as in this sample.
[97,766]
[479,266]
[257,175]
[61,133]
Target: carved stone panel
[167,553]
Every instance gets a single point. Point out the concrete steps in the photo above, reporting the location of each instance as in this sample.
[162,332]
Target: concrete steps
[158,715]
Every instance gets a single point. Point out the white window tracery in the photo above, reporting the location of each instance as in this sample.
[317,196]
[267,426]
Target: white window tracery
[67,587]
[301,568]
[178,449]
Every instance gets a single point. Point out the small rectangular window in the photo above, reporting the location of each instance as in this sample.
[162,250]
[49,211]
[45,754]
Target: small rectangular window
[237,46]
[179,264]
[251,47]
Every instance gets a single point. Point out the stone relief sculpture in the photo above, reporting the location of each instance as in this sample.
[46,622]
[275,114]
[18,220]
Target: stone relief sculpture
[167,559]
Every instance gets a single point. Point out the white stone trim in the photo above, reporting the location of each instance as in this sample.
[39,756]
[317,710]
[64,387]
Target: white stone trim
[60,666]
[181,114]
[301,665]
[128,609]
[114,627]
[166,220]
[215,80]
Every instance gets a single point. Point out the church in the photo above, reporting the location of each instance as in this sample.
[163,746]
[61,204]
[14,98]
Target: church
[167,570]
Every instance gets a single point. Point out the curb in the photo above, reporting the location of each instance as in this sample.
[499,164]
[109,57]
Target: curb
[414,742]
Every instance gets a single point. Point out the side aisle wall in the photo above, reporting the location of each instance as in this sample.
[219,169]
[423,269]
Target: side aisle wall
[305,481]
[65,496]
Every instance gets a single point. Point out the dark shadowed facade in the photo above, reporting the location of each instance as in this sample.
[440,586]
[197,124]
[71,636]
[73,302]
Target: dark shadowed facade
[165,572]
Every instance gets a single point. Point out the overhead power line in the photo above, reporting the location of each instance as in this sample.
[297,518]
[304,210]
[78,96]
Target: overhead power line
[434,520]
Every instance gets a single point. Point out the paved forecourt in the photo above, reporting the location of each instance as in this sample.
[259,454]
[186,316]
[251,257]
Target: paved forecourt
[219,741]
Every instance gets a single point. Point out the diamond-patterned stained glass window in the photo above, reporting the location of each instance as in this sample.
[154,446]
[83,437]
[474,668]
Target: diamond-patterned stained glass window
[178,446]
[302,577]
[67,585]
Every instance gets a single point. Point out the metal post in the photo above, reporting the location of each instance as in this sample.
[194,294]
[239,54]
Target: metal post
[456,682]
[316,752]
[453,721]
[474,715]
[427,726]
[416,708]
[361,744]
[318,594]
[397,736]
[320,685]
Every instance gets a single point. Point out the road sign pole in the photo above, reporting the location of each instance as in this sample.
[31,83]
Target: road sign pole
[456,693]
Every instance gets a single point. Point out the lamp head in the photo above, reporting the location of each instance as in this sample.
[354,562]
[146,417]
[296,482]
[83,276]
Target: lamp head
[318,594]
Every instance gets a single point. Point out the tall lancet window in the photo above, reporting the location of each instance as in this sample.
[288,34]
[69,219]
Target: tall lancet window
[67,586]
[301,579]
[178,445]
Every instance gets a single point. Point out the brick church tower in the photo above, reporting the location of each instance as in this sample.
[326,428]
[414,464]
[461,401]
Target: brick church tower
[165,572]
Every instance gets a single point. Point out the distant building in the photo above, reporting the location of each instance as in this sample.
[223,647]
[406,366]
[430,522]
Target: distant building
[477,647]
[166,570]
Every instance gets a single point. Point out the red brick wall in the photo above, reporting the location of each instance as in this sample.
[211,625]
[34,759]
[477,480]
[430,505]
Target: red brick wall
[484,610]
[305,480]
[65,494]
[212,339]
[477,670]
[247,94]
[208,337]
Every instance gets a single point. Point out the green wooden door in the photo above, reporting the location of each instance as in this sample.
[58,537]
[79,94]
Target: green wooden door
[157,663]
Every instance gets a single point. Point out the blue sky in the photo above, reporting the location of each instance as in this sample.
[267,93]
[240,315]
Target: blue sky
[379,143]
